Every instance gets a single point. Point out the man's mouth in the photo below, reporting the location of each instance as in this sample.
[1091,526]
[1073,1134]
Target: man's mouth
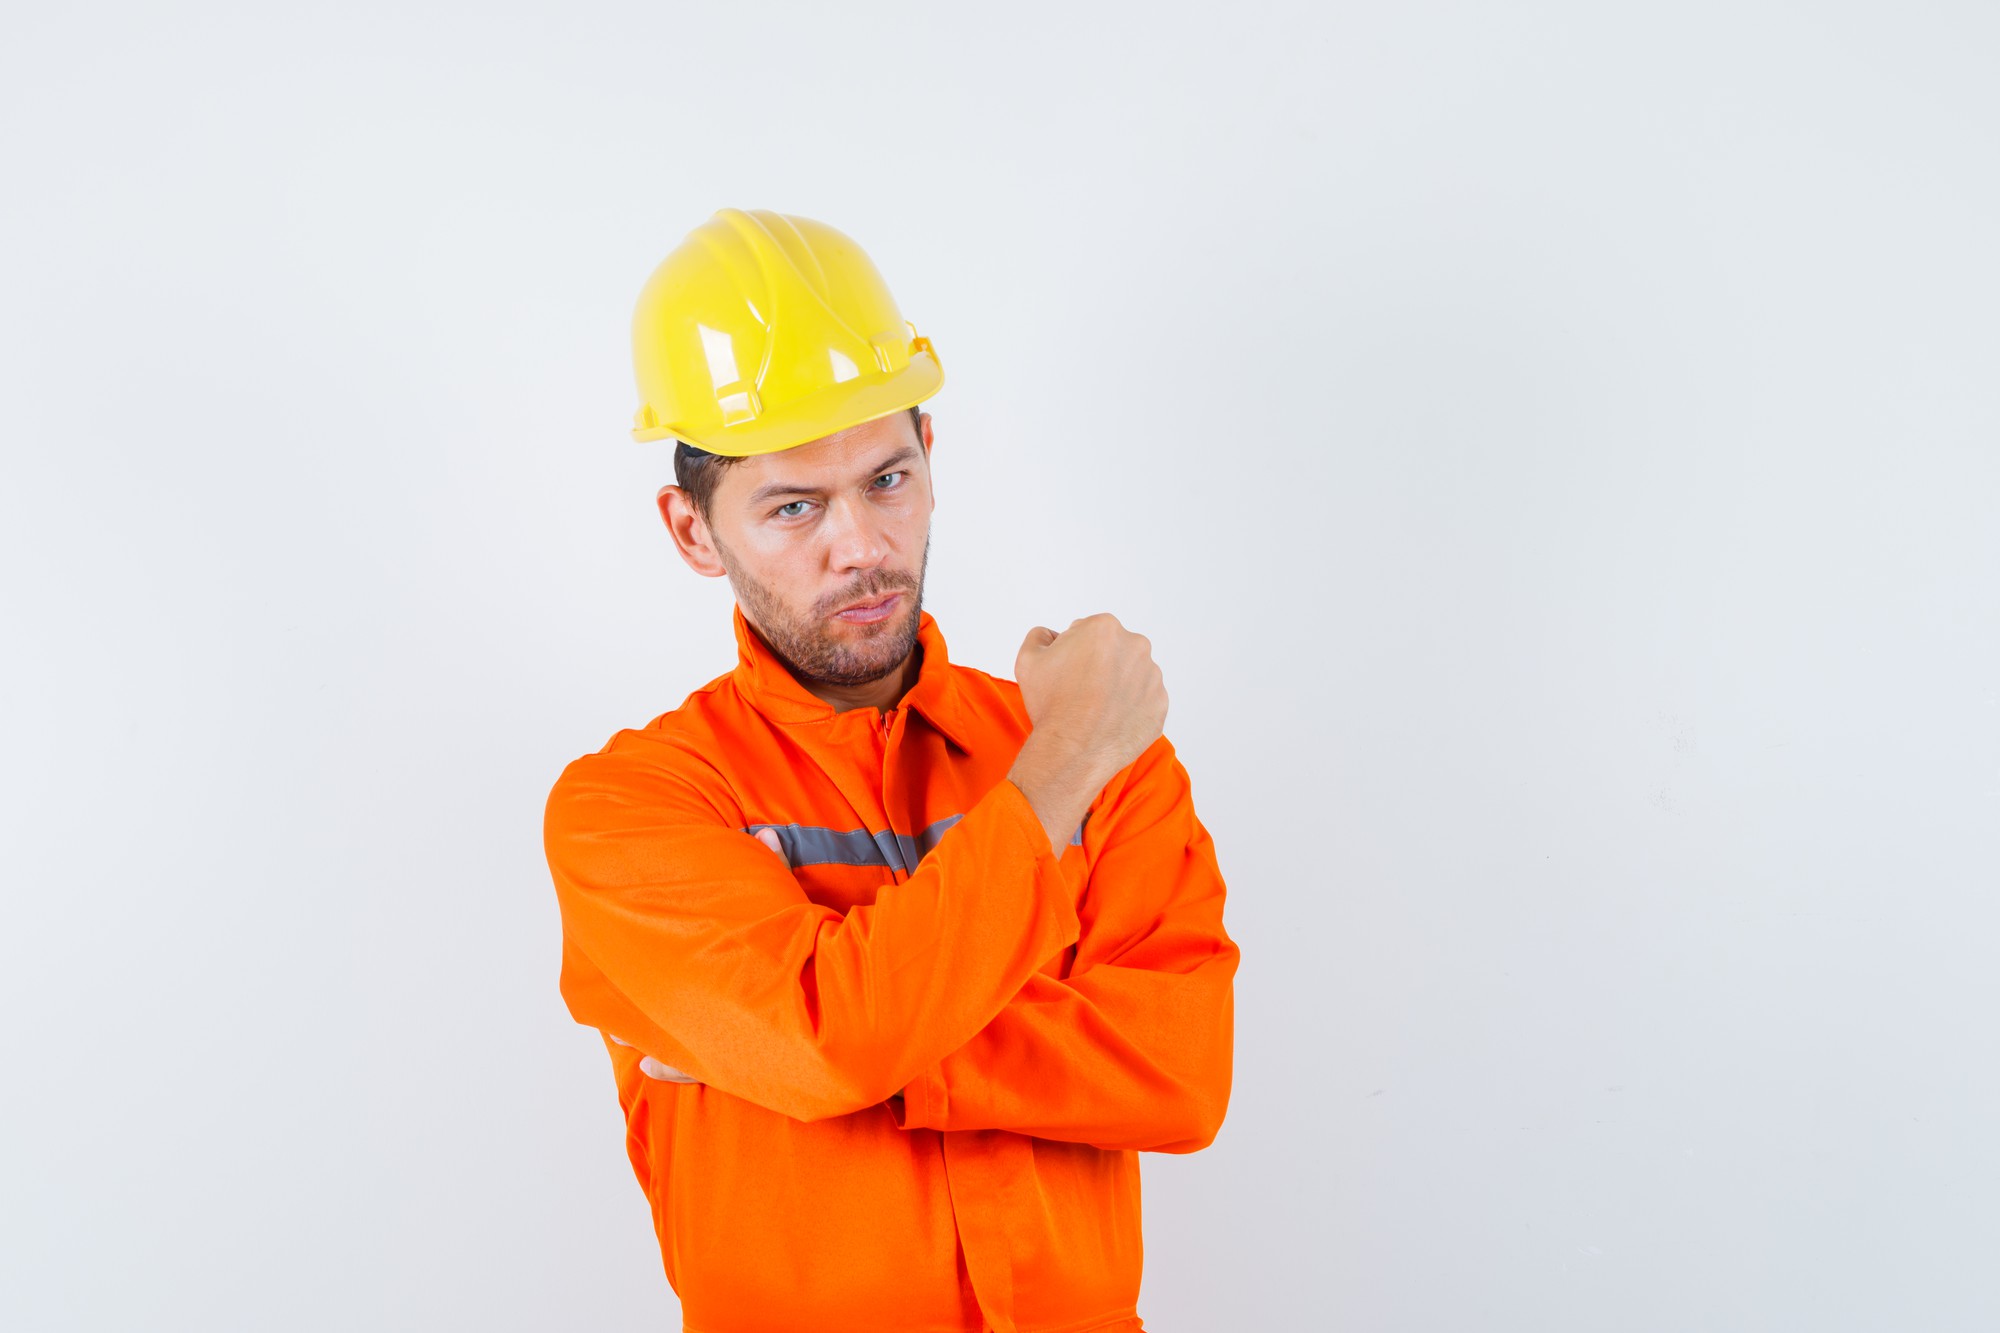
[866,613]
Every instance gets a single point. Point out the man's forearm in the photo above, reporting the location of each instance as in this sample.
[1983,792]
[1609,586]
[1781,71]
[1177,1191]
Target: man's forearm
[1132,1047]
[1060,781]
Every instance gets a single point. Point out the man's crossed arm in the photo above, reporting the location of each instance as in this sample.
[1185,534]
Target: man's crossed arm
[1133,1049]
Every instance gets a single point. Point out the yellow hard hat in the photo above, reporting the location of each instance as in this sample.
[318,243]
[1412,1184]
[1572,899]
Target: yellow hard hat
[763,330]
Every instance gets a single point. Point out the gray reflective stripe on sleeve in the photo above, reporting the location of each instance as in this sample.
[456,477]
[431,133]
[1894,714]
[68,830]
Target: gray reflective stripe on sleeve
[817,845]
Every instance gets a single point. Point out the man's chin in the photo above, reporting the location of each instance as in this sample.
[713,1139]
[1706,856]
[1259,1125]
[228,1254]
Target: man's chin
[861,674]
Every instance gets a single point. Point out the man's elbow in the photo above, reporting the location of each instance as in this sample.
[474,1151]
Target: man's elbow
[1199,1122]
[1202,1102]
[1184,1123]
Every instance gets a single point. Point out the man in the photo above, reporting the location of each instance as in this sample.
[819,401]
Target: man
[899,964]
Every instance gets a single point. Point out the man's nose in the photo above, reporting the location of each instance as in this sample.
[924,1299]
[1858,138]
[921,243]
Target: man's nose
[855,536]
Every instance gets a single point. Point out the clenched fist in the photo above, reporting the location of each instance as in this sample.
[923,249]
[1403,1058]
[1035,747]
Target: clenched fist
[1092,691]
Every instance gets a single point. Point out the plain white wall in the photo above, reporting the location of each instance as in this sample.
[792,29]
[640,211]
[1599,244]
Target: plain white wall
[1555,449]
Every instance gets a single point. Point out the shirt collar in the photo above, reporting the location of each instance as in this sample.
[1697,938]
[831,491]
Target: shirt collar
[772,689]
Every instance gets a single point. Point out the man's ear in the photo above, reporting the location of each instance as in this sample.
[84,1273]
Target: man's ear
[690,532]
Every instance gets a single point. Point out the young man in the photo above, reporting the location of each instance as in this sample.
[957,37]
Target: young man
[899,964]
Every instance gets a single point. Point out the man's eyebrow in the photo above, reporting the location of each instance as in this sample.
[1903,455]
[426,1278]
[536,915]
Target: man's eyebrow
[771,490]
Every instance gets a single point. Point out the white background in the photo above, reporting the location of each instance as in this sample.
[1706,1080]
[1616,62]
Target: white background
[1554,448]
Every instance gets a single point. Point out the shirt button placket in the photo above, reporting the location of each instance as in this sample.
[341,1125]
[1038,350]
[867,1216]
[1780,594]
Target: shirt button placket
[987,1171]
[885,733]
[978,1163]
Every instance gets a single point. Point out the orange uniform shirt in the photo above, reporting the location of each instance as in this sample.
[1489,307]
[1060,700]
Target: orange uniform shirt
[931,1049]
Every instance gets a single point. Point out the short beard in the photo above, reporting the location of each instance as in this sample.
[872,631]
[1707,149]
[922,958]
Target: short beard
[804,648]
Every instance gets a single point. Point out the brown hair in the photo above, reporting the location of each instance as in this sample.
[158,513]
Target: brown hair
[698,471]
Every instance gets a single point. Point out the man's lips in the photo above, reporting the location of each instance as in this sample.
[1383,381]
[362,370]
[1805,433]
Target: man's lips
[869,610]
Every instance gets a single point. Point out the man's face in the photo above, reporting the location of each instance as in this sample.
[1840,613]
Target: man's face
[805,532]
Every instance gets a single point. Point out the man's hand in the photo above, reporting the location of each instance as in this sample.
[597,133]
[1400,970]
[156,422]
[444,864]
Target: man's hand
[652,1068]
[769,837]
[1096,701]
[1094,688]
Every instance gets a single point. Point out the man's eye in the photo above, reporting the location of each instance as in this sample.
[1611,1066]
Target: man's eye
[780,511]
[890,474]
